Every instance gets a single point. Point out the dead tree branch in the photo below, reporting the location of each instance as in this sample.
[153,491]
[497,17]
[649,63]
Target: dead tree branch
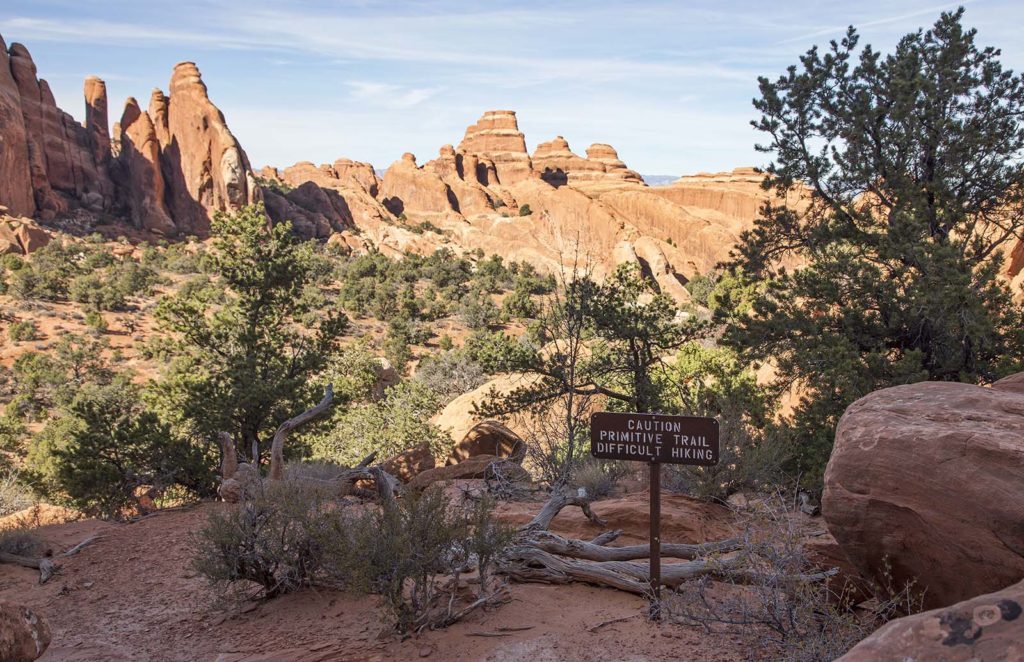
[286,428]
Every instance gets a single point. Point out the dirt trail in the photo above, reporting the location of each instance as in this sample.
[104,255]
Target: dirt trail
[132,596]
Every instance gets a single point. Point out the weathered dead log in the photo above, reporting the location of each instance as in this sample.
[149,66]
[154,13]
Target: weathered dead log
[286,428]
[45,566]
[528,563]
[554,505]
[580,549]
[537,555]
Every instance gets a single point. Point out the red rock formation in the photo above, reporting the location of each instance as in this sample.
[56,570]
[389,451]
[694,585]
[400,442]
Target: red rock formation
[206,169]
[158,104]
[66,161]
[96,120]
[15,182]
[47,202]
[556,164]
[407,187]
[986,627]
[609,158]
[141,179]
[359,173]
[470,196]
[496,137]
[928,478]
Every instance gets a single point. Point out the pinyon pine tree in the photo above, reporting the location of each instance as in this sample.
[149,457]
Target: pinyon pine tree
[248,343]
[916,192]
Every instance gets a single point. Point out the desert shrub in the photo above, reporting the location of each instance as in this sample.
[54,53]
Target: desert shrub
[598,477]
[14,495]
[450,374]
[397,422]
[478,311]
[701,286]
[105,450]
[525,210]
[520,304]
[275,539]
[353,372]
[96,322]
[22,330]
[409,549]
[787,611]
[20,541]
[94,290]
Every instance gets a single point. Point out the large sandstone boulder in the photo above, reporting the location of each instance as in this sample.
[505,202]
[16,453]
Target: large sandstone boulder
[21,236]
[459,416]
[489,438]
[410,463]
[24,635]
[986,627]
[929,478]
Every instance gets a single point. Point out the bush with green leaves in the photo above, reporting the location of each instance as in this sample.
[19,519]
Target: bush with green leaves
[22,330]
[902,159]
[478,311]
[96,322]
[450,373]
[519,304]
[412,551]
[712,381]
[275,539]
[525,210]
[105,451]
[397,422]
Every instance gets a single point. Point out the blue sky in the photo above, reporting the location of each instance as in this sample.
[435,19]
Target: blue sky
[669,84]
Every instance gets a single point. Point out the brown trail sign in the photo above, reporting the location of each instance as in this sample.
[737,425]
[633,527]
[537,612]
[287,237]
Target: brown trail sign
[655,439]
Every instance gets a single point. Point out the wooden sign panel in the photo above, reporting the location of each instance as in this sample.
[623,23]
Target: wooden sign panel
[654,438]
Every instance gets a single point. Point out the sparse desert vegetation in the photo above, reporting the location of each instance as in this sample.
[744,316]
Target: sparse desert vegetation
[325,413]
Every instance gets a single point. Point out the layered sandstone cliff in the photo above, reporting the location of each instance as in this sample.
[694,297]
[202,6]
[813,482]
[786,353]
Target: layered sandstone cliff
[496,138]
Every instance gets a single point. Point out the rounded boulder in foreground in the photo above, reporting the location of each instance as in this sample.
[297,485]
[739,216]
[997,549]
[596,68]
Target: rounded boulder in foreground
[928,479]
[24,634]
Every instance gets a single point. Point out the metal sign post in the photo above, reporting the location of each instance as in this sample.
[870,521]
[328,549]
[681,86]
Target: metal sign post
[655,439]
[654,488]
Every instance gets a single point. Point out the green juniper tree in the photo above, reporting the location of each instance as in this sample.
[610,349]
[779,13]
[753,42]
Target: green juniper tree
[595,339]
[913,164]
[247,344]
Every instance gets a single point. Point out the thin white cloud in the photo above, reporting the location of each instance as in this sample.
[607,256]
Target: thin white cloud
[931,12]
[390,96]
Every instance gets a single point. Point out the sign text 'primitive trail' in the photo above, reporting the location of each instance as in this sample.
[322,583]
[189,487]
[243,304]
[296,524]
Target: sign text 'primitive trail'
[654,438]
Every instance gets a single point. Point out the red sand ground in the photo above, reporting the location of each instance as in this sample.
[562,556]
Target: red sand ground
[132,596]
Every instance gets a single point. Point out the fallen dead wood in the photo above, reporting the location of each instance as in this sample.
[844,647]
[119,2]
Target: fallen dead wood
[612,621]
[46,566]
[580,549]
[537,555]
[239,480]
